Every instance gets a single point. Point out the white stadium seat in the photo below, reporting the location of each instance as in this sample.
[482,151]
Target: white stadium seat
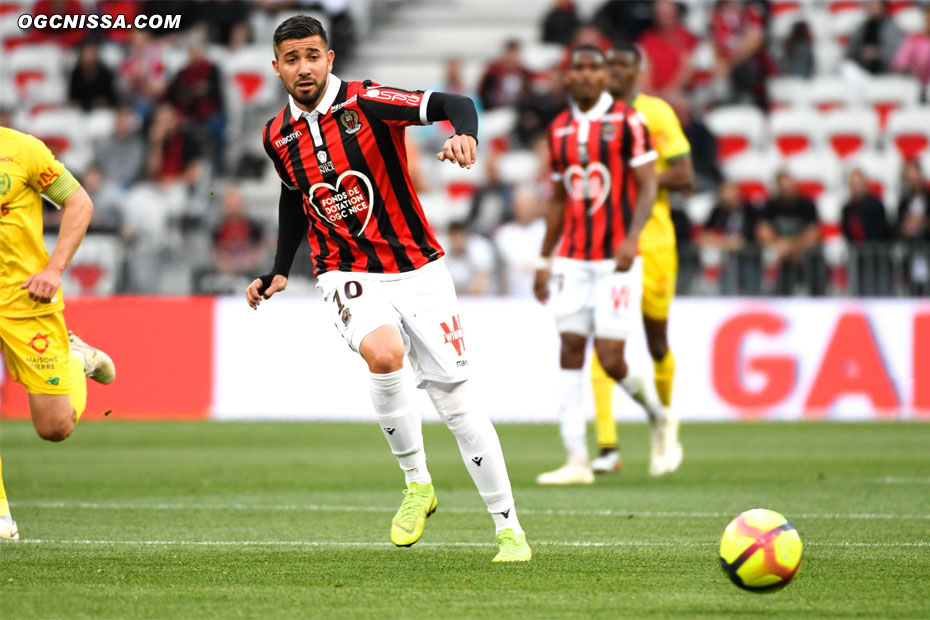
[909,131]
[753,173]
[738,129]
[787,91]
[34,67]
[250,71]
[795,131]
[830,206]
[816,173]
[518,167]
[829,93]
[65,131]
[851,130]
[887,93]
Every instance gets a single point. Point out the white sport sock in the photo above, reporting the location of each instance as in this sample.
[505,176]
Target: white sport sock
[571,415]
[480,448]
[636,388]
[396,410]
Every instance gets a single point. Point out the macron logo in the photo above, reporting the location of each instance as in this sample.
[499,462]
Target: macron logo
[289,138]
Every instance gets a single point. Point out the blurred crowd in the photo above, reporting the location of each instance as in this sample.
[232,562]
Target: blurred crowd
[161,128]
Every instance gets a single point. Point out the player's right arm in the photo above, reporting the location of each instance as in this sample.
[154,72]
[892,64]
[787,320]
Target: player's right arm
[555,223]
[292,226]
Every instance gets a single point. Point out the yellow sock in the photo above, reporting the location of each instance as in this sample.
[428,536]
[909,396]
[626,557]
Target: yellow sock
[78,384]
[4,505]
[665,376]
[603,386]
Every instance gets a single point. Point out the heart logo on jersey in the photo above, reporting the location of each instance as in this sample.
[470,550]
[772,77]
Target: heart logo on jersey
[340,204]
[591,182]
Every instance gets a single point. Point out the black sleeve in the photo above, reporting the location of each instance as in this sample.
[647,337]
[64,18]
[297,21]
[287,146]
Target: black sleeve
[457,109]
[292,227]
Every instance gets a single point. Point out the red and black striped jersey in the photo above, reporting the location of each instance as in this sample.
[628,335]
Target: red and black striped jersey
[593,154]
[349,160]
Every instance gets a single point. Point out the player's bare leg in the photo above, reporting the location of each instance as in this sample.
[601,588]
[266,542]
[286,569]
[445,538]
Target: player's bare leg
[577,469]
[53,415]
[395,407]
[665,453]
[481,452]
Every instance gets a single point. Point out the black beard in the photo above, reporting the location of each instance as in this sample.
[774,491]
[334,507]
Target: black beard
[310,99]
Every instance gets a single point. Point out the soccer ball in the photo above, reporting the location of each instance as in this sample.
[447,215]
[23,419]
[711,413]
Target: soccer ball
[760,550]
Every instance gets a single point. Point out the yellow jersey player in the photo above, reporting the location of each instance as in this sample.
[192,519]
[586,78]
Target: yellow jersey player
[39,351]
[660,269]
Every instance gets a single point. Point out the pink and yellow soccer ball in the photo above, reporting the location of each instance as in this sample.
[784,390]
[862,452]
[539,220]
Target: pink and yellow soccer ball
[760,550]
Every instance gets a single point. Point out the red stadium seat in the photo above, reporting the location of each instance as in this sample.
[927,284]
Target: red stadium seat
[851,131]
[888,93]
[830,93]
[753,173]
[909,131]
[795,131]
[816,173]
[738,129]
[252,74]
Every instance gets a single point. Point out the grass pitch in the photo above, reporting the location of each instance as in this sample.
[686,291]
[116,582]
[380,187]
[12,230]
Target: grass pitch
[222,520]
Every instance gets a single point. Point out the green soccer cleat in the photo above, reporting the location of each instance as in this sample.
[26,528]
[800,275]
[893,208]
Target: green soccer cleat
[513,547]
[408,524]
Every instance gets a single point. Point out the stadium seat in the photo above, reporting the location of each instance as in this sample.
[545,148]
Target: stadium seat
[34,68]
[909,19]
[816,172]
[539,56]
[699,206]
[738,128]
[828,54]
[702,63]
[95,269]
[828,93]
[830,207]
[518,167]
[795,131]
[787,90]
[100,123]
[65,132]
[251,72]
[851,130]
[844,17]
[753,173]
[909,131]
[887,93]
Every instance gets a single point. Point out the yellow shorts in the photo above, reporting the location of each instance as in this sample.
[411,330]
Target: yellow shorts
[660,272]
[37,352]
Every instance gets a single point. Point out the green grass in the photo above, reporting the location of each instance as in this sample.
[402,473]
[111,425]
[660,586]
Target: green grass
[117,485]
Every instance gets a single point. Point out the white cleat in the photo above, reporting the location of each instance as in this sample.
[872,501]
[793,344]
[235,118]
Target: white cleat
[8,530]
[607,463]
[97,364]
[666,452]
[570,473]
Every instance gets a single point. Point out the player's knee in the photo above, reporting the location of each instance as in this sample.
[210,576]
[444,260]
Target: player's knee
[613,361]
[385,359]
[54,428]
[572,350]
[658,346]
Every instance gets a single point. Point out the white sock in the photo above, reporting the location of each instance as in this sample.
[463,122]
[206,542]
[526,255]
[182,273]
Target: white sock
[480,448]
[7,518]
[636,388]
[571,415]
[396,410]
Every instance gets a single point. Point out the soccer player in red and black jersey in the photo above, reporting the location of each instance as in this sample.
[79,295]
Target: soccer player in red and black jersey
[604,185]
[339,150]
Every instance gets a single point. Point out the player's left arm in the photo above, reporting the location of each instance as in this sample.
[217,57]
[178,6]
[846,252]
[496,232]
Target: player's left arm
[78,211]
[403,107]
[673,146]
[637,150]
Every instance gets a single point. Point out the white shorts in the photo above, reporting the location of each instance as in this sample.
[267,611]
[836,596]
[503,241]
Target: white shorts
[590,297]
[423,306]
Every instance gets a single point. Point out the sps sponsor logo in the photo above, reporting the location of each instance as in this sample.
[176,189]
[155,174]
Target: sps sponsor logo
[288,138]
[394,96]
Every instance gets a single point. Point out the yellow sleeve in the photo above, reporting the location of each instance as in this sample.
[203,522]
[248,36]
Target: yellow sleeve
[668,137]
[46,174]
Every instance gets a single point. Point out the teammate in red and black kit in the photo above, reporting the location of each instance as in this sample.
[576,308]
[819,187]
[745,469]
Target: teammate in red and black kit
[604,185]
[339,150]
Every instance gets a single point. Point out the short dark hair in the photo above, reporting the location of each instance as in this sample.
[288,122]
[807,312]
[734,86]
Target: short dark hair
[628,47]
[589,48]
[298,27]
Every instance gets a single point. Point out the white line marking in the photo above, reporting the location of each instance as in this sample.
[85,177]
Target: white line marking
[609,512]
[372,544]
[899,480]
